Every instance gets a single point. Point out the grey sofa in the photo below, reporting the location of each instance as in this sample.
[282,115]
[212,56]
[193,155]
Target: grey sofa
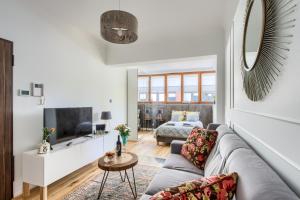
[257,180]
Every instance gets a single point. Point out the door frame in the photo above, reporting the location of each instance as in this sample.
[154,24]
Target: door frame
[9,124]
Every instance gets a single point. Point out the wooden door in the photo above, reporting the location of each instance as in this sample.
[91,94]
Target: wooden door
[6,121]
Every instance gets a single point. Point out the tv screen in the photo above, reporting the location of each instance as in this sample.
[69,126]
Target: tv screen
[68,122]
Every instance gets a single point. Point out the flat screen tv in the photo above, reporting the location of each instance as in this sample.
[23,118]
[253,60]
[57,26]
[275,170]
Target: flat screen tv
[69,123]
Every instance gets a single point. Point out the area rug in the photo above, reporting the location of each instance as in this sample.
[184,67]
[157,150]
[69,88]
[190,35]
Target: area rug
[114,188]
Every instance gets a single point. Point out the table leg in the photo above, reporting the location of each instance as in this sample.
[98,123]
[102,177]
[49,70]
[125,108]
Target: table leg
[123,179]
[43,193]
[134,192]
[134,181]
[103,183]
[26,190]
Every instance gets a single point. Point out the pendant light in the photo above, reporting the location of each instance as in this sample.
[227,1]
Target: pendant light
[119,26]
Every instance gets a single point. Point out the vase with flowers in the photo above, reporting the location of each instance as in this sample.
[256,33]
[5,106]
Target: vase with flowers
[124,132]
[45,147]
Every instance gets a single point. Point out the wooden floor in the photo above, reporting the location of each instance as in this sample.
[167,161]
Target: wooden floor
[147,146]
[56,191]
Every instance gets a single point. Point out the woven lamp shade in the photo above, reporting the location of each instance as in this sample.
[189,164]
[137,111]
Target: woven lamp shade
[114,19]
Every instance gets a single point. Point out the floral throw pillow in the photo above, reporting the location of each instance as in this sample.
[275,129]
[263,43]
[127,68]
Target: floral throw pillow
[199,145]
[221,187]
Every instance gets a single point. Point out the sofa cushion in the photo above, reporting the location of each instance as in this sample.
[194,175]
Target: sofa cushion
[227,144]
[213,126]
[198,146]
[178,162]
[231,142]
[168,178]
[257,180]
[221,187]
[176,146]
[222,130]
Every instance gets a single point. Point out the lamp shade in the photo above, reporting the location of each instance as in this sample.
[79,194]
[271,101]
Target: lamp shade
[119,27]
[106,115]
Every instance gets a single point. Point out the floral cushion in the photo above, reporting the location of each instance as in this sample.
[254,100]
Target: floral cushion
[198,146]
[220,187]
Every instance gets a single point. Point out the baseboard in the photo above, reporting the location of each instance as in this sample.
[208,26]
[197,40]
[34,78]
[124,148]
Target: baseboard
[18,188]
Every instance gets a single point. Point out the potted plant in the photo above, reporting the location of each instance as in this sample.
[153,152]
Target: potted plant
[45,147]
[124,132]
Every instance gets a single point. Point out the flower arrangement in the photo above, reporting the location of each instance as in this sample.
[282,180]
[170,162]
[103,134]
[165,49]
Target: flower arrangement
[123,130]
[47,132]
[45,146]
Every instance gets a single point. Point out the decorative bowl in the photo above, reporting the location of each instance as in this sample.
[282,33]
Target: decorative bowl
[110,156]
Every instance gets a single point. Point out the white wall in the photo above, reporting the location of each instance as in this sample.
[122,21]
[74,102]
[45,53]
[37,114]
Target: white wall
[132,100]
[71,68]
[271,126]
[209,42]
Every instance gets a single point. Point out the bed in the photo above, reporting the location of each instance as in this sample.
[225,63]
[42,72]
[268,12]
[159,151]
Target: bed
[180,126]
[175,130]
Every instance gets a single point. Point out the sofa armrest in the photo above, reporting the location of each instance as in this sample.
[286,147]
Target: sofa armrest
[213,126]
[176,146]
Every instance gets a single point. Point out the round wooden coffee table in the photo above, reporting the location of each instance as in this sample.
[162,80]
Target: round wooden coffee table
[122,163]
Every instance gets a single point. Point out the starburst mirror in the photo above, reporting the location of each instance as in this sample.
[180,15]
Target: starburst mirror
[267,36]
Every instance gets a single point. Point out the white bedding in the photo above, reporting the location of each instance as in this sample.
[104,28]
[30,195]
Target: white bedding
[185,123]
[177,129]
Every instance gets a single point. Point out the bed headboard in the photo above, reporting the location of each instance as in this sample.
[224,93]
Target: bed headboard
[206,110]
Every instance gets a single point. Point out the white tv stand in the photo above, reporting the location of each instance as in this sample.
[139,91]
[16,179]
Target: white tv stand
[43,169]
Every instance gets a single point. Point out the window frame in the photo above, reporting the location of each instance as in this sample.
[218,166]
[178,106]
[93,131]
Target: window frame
[199,82]
[210,72]
[181,74]
[150,88]
[167,87]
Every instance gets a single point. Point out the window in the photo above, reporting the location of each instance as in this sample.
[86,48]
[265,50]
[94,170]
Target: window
[190,87]
[157,88]
[208,87]
[174,88]
[143,88]
[195,87]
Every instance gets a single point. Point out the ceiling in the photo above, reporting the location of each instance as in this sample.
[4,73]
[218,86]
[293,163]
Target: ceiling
[158,19]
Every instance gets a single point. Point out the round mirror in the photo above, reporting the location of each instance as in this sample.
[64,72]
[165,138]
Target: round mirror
[253,33]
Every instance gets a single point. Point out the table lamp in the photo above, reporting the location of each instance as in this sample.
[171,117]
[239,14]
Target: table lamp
[106,116]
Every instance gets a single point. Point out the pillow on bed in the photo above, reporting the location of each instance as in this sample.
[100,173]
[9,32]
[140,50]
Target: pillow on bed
[187,124]
[198,146]
[177,116]
[192,116]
